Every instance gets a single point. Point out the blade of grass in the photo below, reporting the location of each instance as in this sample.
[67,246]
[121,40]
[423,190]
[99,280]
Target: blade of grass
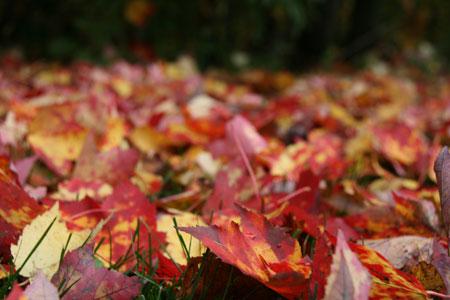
[36,246]
[68,288]
[63,250]
[183,244]
[99,244]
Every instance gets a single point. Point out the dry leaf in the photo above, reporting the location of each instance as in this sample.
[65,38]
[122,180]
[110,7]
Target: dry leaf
[400,251]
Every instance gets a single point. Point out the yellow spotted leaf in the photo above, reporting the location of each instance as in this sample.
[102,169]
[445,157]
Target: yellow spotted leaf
[58,150]
[388,282]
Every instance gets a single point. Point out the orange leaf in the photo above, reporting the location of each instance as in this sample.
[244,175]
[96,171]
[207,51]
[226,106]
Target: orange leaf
[258,249]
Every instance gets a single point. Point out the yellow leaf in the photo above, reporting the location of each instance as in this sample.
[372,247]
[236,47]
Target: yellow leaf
[58,149]
[123,87]
[341,114]
[47,255]
[184,219]
[147,140]
[115,131]
[294,155]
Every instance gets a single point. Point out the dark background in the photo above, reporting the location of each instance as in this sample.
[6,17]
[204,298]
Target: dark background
[272,34]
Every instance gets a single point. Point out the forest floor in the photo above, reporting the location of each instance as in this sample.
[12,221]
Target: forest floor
[159,182]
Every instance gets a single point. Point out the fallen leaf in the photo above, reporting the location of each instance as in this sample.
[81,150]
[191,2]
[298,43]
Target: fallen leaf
[241,133]
[321,265]
[147,139]
[208,277]
[387,281]
[167,269]
[442,169]
[441,261]
[258,249]
[46,256]
[403,250]
[114,133]
[112,166]
[17,208]
[129,207]
[399,142]
[174,247]
[41,289]
[17,293]
[81,278]
[56,137]
[348,279]
[428,275]
[232,184]
[23,168]
[79,215]
[77,189]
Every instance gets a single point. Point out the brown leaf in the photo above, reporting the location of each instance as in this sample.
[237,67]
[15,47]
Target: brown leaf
[428,275]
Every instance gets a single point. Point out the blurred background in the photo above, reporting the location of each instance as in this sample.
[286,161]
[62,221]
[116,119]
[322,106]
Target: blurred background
[233,34]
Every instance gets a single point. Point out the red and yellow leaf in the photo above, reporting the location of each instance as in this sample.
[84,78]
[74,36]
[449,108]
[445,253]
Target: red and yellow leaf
[260,250]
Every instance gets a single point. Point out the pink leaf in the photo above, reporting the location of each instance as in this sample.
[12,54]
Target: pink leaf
[442,170]
[348,278]
[82,279]
[41,289]
[242,130]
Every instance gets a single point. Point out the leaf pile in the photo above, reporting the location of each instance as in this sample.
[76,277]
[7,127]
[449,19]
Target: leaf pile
[114,181]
